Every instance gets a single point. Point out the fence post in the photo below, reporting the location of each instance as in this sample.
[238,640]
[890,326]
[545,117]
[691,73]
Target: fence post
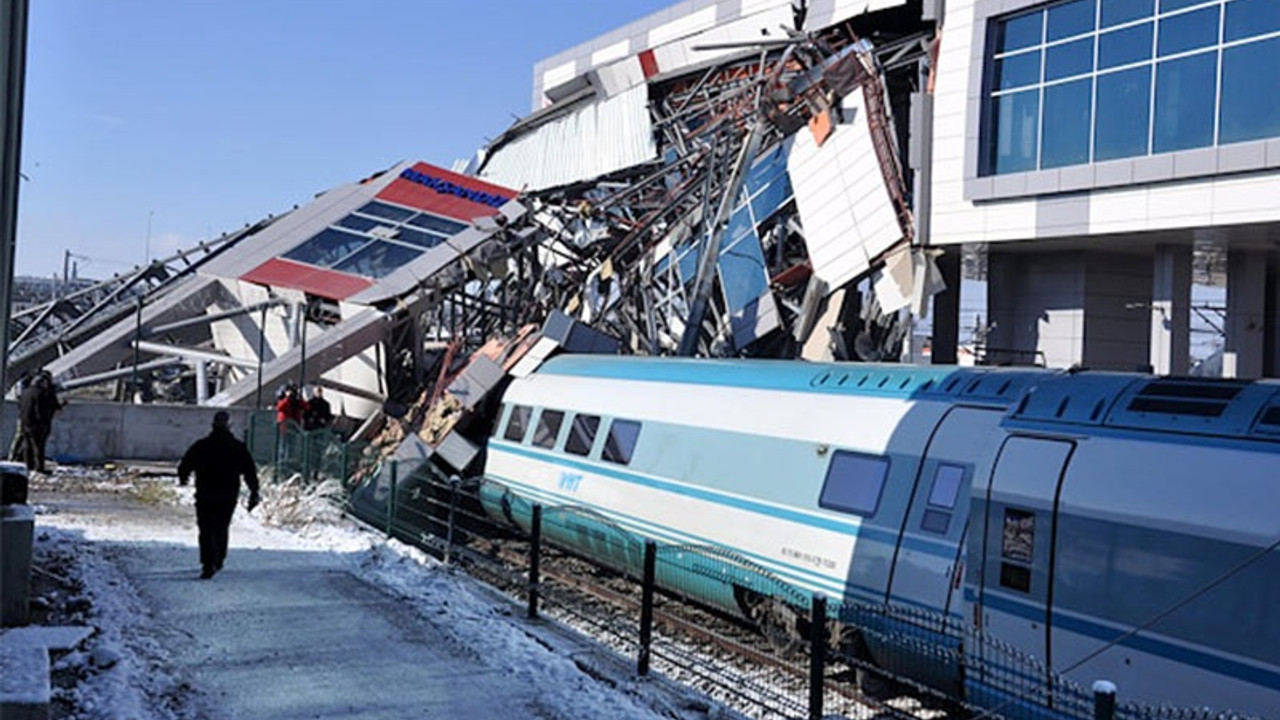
[275,466]
[391,498]
[817,654]
[646,606]
[1104,700]
[344,473]
[535,552]
[454,482]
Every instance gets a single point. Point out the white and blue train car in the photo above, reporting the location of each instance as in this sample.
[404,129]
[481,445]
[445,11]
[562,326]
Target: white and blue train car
[1065,514]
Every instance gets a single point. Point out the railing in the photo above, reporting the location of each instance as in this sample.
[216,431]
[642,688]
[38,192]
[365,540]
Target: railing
[862,660]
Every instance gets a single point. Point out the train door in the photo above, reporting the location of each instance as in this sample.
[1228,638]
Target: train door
[1014,603]
[928,565]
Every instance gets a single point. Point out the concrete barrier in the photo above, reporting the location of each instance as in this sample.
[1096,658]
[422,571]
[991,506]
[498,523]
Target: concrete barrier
[17,528]
[93,432]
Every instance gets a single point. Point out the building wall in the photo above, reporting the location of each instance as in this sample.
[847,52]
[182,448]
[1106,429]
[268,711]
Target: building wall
[1209,187]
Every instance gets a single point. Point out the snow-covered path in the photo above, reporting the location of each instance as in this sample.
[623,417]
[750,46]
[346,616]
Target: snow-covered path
[328,622]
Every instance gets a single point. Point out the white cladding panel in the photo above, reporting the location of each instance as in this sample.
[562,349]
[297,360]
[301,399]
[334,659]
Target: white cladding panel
[846,211]
[602,137]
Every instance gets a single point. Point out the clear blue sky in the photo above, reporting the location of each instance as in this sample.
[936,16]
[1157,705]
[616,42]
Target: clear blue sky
[198,116]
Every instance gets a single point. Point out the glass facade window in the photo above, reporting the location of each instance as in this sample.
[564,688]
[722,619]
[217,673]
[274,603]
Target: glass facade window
[375,240]
[1082,81]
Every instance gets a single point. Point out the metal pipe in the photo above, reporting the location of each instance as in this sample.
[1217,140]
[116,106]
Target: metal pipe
[207,319]
[13,66]
[95,379]
[189,354]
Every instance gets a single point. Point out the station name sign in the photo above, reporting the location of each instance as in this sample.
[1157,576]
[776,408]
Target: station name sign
[448,188]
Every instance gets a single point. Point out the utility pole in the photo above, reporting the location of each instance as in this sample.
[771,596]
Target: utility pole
[13,61]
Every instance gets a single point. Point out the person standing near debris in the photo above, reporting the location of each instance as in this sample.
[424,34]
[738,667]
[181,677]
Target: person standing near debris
[218,460]
[36,408]
[318,415]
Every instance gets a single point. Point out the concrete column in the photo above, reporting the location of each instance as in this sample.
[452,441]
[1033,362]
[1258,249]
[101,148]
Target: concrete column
[13,59]
[1246,302]
[946,310]
[202,382]
[1171,310]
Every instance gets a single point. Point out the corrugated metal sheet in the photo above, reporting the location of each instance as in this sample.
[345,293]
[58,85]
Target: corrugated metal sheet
[844,206]
[605,136]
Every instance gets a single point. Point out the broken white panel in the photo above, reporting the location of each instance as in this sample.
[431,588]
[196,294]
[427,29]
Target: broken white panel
[559,74]
[818,347]
[620,76]
[602,137]
[845,208]
[534,358]
[895,283]
[694,22]
[825,13]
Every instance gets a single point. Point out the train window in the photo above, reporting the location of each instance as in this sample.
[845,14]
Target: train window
[1019,537]
[582,434]
[935,521]
[946,486]
[621,441]
[854,483]
[497,424]
[548,429]
[517,423]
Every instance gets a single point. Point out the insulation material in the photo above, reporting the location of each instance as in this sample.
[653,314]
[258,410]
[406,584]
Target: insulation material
[600,138]
[848,216]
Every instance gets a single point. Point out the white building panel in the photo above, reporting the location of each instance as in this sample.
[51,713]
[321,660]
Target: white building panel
[559,75]
[599,138]
[618,77]
[845,209]
[610,53]
[682,26]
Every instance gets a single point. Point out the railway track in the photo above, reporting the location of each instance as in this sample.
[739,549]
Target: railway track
[724,657]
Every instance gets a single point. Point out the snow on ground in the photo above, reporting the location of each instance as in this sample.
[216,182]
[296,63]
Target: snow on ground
[85,517]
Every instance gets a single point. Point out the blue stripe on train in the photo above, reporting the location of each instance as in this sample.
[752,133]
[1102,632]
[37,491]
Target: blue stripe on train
[852,526]
[1143,643]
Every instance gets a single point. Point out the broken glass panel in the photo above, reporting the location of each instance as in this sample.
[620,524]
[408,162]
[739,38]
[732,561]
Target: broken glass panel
[390,212]
[378,259]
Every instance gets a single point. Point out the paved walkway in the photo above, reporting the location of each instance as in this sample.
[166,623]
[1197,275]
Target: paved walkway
[295,633]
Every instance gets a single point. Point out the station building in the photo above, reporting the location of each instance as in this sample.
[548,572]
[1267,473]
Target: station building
[1091,147]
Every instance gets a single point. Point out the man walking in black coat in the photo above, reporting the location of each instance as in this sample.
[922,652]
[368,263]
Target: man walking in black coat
[36,407]
[219,460]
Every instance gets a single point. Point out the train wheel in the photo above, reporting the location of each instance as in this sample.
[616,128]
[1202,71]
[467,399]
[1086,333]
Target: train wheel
[780,625]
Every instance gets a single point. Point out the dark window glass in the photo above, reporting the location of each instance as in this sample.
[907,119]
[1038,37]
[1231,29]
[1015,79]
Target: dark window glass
[1115,12]
[517,423]
[1248,112]
[1067,59]
[548,429]
[854,483]
[437,224]
[1188,31]
[419,238]
[361,223]
[1068,109]
[1015,577]
[1019,536]
[1018,70]
[327,248]
[1246,18]
[946,486]
[935,521]
[378,259]
[1124,101]
[582,433]
[1185,89]
[1171,5]
[1124,46]
[1019,32]
[390,212]
[621,442]
[1069,19]
[1015,120]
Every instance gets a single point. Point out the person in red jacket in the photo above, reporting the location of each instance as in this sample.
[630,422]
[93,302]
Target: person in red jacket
[290,407]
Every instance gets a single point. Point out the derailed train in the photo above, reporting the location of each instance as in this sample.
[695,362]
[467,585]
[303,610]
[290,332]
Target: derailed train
[1116,526]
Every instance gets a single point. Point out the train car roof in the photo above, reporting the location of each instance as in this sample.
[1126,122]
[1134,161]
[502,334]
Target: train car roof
[1001,386]
[1045,398]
